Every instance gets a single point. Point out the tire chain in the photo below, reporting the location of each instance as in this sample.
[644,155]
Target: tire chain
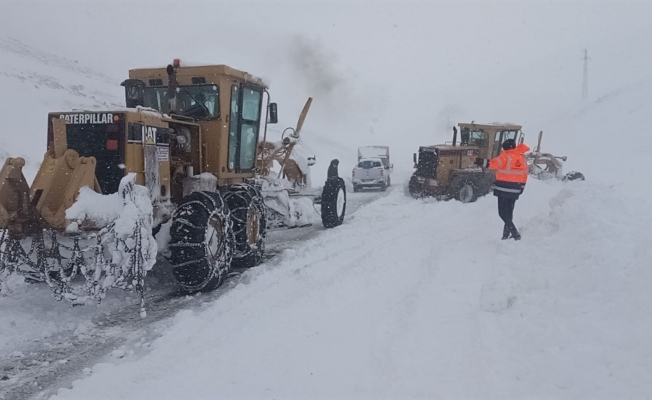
[44,263]
[245,192]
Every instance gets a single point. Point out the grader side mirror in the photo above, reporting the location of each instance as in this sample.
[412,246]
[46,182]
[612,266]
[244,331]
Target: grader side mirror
[273,113]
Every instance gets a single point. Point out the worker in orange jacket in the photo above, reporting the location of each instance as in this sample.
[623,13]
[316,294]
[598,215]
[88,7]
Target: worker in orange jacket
[511,177]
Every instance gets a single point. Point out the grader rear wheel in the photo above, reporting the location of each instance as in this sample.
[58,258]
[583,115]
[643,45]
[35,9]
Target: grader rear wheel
[201,245]
[414,187]
[249,218]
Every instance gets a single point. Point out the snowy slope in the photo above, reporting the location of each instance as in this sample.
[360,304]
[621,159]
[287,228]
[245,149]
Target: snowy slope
[611,136]
[36,82]
[400,302]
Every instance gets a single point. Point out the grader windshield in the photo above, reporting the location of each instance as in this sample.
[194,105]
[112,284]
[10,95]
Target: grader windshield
[199,100]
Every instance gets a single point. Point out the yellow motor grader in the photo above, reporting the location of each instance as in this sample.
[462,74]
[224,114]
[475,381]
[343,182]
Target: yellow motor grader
[448,170]
[185,154]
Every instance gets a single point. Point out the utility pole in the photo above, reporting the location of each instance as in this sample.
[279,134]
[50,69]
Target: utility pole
[585,82]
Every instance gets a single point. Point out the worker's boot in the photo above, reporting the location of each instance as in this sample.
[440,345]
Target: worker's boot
[515,234]
[506,232]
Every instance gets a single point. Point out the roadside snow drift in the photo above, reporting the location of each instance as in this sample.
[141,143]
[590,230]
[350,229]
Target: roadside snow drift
[421,299]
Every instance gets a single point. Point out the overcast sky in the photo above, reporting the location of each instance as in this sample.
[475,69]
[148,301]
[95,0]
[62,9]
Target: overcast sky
[376,69]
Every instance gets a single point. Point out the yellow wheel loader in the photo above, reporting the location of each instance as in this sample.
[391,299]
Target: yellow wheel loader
[184,157]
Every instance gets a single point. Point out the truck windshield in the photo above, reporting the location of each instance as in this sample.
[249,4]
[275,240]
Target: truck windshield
[369,164]
[201,100]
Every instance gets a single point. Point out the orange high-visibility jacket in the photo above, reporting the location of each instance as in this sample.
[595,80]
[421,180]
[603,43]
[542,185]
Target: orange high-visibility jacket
[510,165]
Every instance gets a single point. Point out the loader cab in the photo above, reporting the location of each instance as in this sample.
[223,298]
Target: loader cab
[229,107]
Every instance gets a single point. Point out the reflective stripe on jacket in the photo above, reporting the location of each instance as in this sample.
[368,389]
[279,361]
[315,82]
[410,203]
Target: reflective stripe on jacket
[510,165]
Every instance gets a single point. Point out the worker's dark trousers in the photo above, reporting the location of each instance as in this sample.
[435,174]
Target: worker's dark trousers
[506,212]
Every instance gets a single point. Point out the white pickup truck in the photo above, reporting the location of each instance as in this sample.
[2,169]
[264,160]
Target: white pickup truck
[373,169]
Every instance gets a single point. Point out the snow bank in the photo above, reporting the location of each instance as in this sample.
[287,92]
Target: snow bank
[36,82]
[400,302]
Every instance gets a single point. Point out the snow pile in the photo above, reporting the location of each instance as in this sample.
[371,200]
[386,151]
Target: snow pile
[93,210]
[303,158]
[127,213]
[136,219]
[289,211]
[400,302]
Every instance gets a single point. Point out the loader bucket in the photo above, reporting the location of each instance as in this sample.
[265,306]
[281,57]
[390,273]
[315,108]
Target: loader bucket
[16,212]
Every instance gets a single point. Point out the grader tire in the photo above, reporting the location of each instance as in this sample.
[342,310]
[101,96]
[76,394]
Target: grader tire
[465,190]
[249,217]
[201,244]
[414,188]
[333,203]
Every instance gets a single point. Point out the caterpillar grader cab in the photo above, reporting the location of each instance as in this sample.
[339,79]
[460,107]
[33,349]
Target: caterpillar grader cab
[184,158]
[448,170]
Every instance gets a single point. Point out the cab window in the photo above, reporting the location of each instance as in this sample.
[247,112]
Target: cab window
[478,138]
[249,128]
[233,126]
[500,138]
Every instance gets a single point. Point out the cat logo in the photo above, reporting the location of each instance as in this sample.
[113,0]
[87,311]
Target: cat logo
[149,134]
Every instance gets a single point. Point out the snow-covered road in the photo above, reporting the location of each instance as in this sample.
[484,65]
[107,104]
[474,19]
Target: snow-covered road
[421,299]
[44,344]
